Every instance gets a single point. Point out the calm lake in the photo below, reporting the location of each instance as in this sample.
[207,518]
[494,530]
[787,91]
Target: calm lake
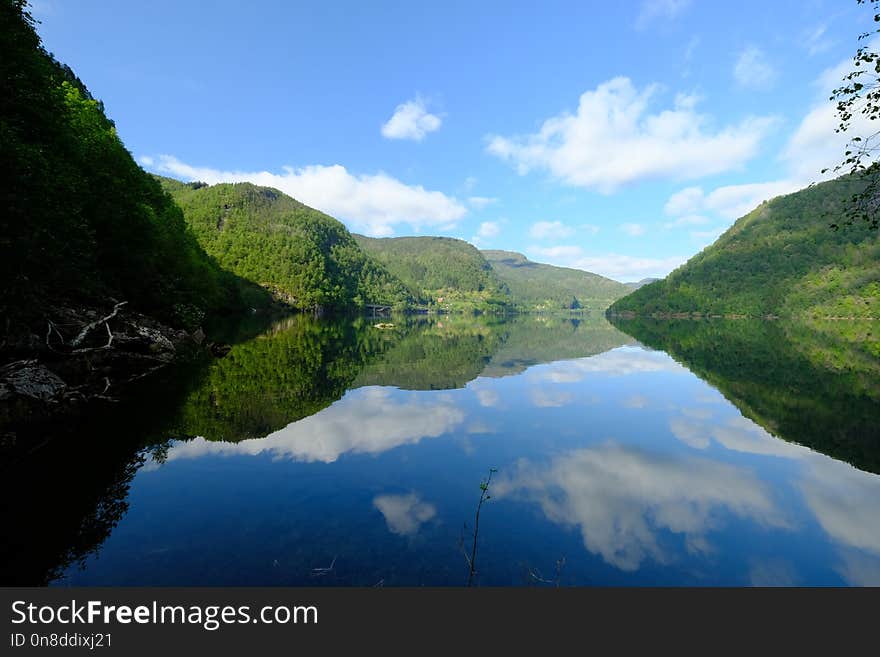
[331,452]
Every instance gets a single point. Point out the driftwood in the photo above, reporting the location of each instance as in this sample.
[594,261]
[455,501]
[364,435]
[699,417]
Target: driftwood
[93,325]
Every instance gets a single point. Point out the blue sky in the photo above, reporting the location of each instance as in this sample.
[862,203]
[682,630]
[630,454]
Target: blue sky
[620,138]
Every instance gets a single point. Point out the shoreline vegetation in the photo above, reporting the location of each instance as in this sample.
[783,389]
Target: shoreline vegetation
[628,314]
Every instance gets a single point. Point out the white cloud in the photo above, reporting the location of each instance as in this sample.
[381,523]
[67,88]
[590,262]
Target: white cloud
[729,201]
[652,11]
[543,230]
[687,220]
[752,70]
[813,146]
[691,48]
[383,421]
[487,397]
[595,147]
[562,252]
[489,229]
[633,230]
[481,202]
[623,498]
[411,120]
[815,143]
[592,229]
[372,204]
[738,434]
[547,398]
[480,427]
[842,498]
[772,572]
[616,266]
[687,200]
[815,40]
[636,401]
[404,514]
[844,501]
[859,569]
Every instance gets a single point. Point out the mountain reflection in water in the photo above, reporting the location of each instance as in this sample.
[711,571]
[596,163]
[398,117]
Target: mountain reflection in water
[669,453]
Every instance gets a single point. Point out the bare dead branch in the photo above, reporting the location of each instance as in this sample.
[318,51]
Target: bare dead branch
[92,325]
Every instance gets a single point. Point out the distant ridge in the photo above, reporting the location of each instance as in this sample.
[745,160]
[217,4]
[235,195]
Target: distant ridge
[537,286]
[642,283]
[443,272]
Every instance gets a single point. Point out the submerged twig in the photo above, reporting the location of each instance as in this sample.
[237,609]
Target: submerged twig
[320,572]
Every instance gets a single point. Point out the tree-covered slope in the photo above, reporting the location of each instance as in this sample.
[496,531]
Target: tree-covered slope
[81,221]
[304,256]
[780,259]
[445,273]
[536,286]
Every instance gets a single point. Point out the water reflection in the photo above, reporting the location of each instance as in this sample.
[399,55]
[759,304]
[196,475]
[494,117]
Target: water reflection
[623,499]
[844,502]
[813,384]
[331,441]
[405,514]
[366,421]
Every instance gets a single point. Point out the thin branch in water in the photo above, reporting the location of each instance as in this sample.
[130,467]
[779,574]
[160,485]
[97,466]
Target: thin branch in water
[484,495]
[560,564]
[320,572]
[537,576]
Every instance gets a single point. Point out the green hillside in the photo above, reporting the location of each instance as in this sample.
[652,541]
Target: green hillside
[780,259]
[303,256]
[445,273]
[81,221]
[536,286]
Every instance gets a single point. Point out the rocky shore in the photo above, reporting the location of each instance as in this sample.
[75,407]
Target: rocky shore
[84,354]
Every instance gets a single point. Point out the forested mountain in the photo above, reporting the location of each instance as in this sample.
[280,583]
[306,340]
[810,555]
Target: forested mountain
[445,273]
[305,257]
[81,221]
[783,258]
[536,286]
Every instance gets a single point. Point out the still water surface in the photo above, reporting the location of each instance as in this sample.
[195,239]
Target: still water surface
[334,453]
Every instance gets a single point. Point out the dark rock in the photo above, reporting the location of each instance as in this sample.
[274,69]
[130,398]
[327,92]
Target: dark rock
[29,378]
